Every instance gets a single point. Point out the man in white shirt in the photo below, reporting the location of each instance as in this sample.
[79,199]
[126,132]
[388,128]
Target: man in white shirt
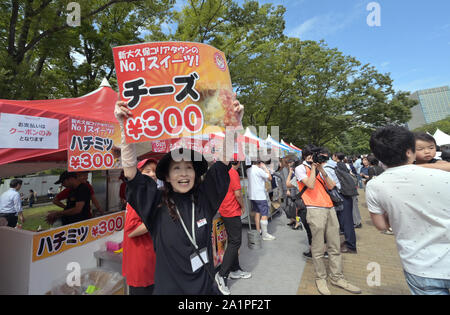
[257,175]
[415,202]
[358,165]
[10,203]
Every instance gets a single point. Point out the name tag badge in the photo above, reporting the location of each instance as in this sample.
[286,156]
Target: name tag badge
[201,223]
[196,261]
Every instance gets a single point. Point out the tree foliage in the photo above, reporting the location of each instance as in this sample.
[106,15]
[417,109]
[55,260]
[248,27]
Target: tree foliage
[314,93]
[443,125]
[43,56]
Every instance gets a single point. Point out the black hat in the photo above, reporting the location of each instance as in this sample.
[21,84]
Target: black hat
[65,175]
[197,159]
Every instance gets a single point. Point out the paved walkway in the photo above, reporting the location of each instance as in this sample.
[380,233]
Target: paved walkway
[279,268]
[373,247]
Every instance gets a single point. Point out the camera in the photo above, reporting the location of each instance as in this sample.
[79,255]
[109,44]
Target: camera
[319,158]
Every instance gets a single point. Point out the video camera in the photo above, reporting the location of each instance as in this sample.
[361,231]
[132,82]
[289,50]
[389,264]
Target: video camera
[319,156]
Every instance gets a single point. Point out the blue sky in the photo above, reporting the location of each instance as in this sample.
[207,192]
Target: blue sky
[412,43]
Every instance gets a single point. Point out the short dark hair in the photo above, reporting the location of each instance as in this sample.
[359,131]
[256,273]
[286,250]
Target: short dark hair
[389,145]
[372,160]
[310,149]
[15,182]
[424,137]
[445,155]
[340,156]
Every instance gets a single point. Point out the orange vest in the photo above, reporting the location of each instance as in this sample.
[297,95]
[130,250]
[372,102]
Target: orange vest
[317,197]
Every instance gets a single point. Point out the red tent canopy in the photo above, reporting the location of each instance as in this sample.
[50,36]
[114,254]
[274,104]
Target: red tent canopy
[97,105]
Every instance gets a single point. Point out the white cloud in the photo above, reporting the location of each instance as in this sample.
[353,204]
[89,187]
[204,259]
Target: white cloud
[421,84]
[321,26]
[305,28]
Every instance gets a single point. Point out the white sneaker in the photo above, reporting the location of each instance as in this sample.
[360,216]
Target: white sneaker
[268,237]
[222,285]
[239,274]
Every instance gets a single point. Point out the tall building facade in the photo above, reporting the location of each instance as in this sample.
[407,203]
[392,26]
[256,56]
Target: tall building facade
[434,105]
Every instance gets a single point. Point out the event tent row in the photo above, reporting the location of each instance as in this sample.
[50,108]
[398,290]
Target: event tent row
[97,105]
[441,137]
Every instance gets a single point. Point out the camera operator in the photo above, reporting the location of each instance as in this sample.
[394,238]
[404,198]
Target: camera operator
[322,219]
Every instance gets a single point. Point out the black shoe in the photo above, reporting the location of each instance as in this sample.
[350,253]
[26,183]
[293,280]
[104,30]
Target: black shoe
[358,226]
[307,254]
[291,224]
[347,250]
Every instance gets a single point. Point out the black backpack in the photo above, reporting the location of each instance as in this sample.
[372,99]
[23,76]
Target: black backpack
[348,187]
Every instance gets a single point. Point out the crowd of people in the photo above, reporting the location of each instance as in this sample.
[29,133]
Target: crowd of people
[170,205]
[321,195]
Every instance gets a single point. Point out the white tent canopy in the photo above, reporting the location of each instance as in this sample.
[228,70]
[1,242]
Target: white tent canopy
[441,137]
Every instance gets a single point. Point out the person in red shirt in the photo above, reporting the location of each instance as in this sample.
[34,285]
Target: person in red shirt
[231,211]
[139,258]
[63,195]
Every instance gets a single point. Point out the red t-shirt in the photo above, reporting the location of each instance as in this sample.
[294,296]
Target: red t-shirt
[65,193]
[230,207]
[139,258]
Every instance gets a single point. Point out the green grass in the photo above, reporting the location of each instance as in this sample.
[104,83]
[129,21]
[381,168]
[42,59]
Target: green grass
[36,216]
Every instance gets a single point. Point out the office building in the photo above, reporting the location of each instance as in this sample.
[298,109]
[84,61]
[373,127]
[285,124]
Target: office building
[434,105]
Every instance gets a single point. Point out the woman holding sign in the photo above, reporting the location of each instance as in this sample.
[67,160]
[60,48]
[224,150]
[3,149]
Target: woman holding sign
[179,217]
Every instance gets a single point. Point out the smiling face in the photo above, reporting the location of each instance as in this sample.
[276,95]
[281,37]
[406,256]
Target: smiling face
[425,151]
[181,176]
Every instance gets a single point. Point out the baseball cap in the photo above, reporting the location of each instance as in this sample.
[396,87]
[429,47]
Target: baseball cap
[142,163]
[65,175]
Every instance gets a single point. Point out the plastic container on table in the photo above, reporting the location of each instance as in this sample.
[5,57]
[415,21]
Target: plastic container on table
[92,282]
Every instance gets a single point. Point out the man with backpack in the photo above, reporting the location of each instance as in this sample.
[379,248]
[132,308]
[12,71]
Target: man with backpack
[347,188]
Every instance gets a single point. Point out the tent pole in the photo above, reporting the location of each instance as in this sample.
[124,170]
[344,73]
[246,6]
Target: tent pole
[107,191]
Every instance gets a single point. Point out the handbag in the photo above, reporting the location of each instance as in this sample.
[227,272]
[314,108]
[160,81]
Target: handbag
[290,207]
[337,199]
[299,203]
[335,196]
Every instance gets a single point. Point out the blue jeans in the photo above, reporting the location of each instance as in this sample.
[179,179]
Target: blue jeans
[427,286]
[360,183]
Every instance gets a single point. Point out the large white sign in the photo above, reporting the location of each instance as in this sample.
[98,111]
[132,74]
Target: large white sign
[28,132]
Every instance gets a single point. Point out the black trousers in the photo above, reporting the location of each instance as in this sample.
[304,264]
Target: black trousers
[230,262]
[12,219]
[302,215]
[141,290]
[345,218]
